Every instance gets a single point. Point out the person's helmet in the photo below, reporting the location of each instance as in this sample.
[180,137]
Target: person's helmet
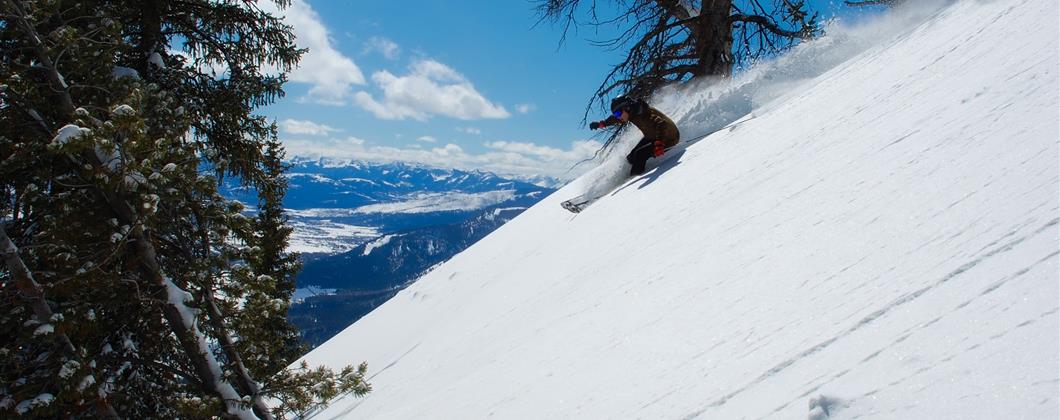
[622,103]
[625,103]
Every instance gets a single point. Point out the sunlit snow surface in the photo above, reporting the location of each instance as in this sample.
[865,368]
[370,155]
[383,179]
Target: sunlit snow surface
[326,236]
[327,231]
[883,235]
[435,202]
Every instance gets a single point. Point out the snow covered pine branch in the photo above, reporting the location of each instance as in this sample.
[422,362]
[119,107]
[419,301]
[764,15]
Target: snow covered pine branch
[165,299]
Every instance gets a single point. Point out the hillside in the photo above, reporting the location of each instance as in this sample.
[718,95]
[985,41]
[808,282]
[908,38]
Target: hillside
[873,235]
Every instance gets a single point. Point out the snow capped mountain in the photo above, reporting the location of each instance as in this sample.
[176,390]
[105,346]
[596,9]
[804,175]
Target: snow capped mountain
[436,202]
[346,216]
[540,180]
[352,184]
[336,206]
[872,233]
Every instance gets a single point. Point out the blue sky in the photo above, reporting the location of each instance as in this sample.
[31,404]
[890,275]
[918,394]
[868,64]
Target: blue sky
[472,85]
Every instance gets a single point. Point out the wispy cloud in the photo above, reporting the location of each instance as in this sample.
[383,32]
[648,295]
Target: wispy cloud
[469,130]
[578,151]
[330,73]
[386,47]
[427,139]
[306,127]
[525,108]
[430,88]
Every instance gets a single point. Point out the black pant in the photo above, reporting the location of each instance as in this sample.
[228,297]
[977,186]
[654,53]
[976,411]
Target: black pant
[640,154]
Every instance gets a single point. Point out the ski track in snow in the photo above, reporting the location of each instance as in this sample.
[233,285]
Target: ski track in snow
[892,306]
[878,242]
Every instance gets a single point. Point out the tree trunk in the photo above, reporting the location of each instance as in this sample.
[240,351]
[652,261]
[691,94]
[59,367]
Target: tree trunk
[150,33]
[246,384]
[180,320]
[714,39]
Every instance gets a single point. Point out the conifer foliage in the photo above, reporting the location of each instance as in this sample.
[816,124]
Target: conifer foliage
[130,287]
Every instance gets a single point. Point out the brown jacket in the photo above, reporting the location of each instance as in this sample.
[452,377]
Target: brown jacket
[653,124]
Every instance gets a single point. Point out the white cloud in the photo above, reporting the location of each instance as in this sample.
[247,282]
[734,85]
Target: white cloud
[469,130]
[430,88]
[386,47]
[428,139]
[354,141]
[578,150]
[525,108]
[450,150]
[322,147]
[330,73]
[306,127]
[518,158]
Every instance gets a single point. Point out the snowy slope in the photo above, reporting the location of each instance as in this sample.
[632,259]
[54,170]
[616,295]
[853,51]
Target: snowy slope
[876,241]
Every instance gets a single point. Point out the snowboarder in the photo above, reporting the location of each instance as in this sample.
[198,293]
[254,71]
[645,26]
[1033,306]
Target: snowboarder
[660,133]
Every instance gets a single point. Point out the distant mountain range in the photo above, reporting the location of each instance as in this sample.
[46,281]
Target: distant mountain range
[336,205]
[363,278]
[367,230]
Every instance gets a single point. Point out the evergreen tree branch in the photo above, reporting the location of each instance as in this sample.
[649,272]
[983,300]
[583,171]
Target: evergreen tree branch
[33,292]
[54,79]
[29,288]
[184,329]
[106,204]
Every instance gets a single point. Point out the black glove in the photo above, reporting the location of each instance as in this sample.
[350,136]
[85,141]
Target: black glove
[594,125]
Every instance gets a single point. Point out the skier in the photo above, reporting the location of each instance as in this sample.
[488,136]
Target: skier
[660,133]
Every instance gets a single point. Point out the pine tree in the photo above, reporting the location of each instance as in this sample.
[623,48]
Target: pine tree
[132,287]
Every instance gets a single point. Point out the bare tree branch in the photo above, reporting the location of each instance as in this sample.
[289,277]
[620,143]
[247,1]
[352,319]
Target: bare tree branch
[872,3]
[765,23]
[670,41]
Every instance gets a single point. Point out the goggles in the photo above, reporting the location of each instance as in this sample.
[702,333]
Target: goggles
[618,114]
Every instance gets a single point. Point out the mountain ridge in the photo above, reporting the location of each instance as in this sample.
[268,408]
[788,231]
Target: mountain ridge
[337,205]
